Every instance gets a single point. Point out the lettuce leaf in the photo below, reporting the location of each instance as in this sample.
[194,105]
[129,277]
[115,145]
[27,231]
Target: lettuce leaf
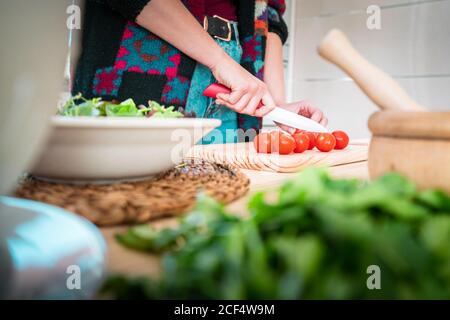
[78,106]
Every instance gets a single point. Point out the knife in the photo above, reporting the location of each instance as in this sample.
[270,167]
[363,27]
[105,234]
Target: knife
[278,114]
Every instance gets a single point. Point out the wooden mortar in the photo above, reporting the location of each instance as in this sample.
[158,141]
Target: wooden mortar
[416,144]
[405,139]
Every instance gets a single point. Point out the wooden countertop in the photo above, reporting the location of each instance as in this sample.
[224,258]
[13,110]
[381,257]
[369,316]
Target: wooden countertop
[133,263]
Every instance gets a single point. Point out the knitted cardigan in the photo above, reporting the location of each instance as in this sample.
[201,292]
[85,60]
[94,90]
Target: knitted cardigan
[121,60]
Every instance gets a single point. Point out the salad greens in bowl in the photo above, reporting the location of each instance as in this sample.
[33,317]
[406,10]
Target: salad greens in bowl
[99,141]
[96,107]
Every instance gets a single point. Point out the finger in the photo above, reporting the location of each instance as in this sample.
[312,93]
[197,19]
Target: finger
[226,104]
[261,112]
[317,116]
[324,121]
[306,108]
[242,103]
[268,101]
[253,104]
[235,96]
[223,99]
[288,129]
[223,96]
[220,102]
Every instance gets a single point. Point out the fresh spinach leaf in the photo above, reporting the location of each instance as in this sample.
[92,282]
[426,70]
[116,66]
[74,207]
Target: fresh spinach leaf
[315,241]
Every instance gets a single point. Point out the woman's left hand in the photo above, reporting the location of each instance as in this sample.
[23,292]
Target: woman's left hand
[306,109]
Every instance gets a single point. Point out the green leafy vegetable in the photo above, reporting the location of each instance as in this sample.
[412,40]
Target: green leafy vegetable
[79,106]
[126,108]
[316,240]
[159,111]
[91,108]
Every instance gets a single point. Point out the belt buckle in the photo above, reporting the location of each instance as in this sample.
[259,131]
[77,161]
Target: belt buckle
[228,23]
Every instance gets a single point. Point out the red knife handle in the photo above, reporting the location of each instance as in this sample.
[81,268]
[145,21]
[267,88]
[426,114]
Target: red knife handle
[214,89]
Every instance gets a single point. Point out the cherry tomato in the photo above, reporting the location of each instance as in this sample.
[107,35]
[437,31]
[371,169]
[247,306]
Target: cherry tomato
[341,139]
[282,143]
[301,142]
[311,135]
[263,142]
[312,139]
[325,142]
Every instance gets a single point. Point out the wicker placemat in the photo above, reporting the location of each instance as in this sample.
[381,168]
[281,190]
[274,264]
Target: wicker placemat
[169,194]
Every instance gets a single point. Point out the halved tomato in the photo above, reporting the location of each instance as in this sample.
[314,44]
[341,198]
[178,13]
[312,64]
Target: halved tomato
[263,142]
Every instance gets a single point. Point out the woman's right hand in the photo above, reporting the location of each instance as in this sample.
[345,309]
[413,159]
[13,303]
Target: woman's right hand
[247,91]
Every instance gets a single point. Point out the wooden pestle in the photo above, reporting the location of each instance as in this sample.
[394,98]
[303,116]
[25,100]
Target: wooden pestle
[376,84]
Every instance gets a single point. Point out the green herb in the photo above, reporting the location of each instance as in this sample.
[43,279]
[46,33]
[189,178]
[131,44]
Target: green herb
[316,240]
[79,106]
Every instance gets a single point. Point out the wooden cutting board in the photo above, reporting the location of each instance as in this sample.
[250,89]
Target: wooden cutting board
[244,155]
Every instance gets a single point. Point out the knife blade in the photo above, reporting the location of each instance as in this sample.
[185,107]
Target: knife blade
[278,114]
[294,120]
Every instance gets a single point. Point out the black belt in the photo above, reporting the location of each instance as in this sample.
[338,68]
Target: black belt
[219,28]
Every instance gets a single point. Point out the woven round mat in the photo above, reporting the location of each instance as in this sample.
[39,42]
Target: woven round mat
[169,194]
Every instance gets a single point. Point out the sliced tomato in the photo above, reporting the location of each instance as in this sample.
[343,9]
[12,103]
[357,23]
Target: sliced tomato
[263,142]
[325,142]
[301,142]
[342,140]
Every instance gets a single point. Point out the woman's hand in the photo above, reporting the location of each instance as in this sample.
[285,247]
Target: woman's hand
[247,90]
[306,109]
[170,20]
[274,77]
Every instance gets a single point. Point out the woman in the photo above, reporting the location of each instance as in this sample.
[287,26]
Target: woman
[171,50]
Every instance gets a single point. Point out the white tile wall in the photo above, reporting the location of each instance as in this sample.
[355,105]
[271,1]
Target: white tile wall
[348,108]
[413,46]
[314,8]
[289,17]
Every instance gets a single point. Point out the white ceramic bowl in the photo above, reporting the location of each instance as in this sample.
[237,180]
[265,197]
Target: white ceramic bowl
[86,149]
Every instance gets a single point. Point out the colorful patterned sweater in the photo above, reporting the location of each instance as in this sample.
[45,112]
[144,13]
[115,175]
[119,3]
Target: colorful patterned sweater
[121,60]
